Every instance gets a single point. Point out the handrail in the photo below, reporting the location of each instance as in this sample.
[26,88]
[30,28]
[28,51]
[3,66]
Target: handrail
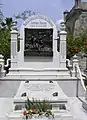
[69,66]
[68,63]
[7,63]
[80,75]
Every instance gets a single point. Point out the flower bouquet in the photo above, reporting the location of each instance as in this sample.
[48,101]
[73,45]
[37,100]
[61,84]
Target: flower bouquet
[37,108]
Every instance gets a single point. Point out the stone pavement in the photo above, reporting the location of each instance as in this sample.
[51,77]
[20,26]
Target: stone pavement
[8,88]
[69,88]
[76,109]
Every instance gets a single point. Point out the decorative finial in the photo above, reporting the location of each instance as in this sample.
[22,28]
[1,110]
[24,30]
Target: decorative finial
[14,25]
[62,26]
[75,56]
[1,56]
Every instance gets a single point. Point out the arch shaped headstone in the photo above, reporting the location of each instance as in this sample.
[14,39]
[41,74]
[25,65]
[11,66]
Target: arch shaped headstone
[35,49]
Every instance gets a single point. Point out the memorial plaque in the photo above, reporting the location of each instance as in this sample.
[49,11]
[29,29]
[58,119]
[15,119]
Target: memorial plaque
[38,42]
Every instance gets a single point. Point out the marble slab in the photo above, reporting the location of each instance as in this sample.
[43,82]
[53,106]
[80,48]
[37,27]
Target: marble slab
[40,90]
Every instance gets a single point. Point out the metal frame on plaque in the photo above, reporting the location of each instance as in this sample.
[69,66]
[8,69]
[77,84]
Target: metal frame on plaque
[38,42]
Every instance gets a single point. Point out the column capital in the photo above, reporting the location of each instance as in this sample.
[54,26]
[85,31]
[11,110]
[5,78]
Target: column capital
[14,28]
[62,29]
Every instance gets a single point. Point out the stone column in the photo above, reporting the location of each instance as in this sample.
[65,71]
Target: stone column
[63,34]
[75,62]
[14,36]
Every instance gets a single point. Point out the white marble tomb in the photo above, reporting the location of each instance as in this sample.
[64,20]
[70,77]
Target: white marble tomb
[43,66]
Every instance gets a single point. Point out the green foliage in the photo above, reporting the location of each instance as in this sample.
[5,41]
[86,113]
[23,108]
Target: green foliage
[6,24]
[38,107]
[5,28]
[42,106]
[5,43]
[29,104]
[79,42]
[5,37]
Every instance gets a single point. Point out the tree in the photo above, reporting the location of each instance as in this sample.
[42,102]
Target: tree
[5,37]
[79,42]
[5,28]
[24,15]
[6,24]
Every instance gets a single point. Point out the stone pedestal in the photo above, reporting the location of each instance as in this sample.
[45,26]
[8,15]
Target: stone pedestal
[75,63]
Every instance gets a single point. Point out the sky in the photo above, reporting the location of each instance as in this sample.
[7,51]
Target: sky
[51,8]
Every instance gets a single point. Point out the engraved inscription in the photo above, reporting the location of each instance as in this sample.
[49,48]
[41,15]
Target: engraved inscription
[38,24]
[40,87]
[40,18]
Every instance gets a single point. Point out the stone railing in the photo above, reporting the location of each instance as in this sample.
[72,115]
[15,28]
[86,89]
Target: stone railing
[7,66]
[69,66]
[78,74]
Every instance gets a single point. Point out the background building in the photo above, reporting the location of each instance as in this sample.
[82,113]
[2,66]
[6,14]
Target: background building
[76,19]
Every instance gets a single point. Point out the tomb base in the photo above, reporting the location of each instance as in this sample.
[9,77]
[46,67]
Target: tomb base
[41,90]
[37,74]
[62,115]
